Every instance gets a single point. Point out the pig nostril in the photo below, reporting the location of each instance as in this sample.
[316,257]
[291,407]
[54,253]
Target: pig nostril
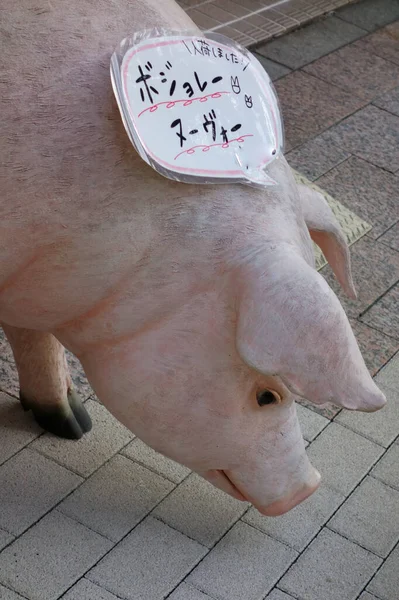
[267,397]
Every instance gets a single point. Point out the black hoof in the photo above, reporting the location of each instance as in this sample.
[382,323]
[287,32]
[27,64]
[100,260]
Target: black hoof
[68,421]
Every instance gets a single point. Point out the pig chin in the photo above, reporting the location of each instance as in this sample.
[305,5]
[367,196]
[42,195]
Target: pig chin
[220,479]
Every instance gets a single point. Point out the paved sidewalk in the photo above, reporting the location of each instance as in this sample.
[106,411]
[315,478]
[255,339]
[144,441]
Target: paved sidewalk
[106,518]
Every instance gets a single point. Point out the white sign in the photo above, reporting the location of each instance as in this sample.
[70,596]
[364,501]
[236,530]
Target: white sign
[200,108]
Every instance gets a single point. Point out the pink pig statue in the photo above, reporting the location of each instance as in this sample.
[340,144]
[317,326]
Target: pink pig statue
[195,310]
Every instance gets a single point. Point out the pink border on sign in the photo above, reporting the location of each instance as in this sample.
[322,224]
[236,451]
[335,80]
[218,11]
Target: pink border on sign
[175,167]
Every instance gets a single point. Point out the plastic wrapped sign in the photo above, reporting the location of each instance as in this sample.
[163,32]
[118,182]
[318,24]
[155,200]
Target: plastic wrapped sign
[197,109]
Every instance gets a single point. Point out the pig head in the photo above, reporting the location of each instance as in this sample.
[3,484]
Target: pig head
[212,383]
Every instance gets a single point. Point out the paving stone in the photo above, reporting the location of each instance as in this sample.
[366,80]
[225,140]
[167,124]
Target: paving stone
[222,11]
[391,237]
[309,106]
[370,192]
[327,410]
[314,158]
[243,550]
[375,269]
[389,375]
[6,594]
[309,43]
[17,428]
[273,69]
[238,36]
[367,596]
[389,101]
[204,22]
[148,563]
[381,426]
[376,347]
[297,527]
[331,568]
[385,584]
[200,510]
[116,497]
[311,423]
[355,69]
[371,134]
[384,43]
[146,456]
[387,468]
[370,14]
[384,314]
[84,456]
[47,560]
[187,592]
[86,590]
[370,517]
[30,485]
[342,457]
[278,595]
[5,538]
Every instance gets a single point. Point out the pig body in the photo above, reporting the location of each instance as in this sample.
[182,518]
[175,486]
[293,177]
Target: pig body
[184,303]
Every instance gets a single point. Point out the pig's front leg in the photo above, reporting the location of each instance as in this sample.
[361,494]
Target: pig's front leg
[45,383]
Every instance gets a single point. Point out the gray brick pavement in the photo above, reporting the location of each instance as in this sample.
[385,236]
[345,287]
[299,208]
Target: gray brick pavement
[387,468]
[370,517]
[86,590]
[30,485]
[17,428]
[199,510]
[47,559]
[389,374]
[246,563]
[116,497]
[141,453]
[7,594]
[5,538]
[343,457]
[300,525]
[380,427]
[279,595]
[367,596]
[331,567]
[385,584]
[84,456]
[187,592]
[149,563]
[311,422]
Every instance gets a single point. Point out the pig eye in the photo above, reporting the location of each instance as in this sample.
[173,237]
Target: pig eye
[267,397]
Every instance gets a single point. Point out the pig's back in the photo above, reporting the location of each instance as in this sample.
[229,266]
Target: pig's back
[78,207]
[62,137]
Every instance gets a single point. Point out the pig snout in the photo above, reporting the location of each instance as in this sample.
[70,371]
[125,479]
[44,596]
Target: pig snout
[277,475]
[287,503]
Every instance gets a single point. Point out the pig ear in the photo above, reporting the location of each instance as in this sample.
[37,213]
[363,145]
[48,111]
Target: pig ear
[325,231]
[281,301]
